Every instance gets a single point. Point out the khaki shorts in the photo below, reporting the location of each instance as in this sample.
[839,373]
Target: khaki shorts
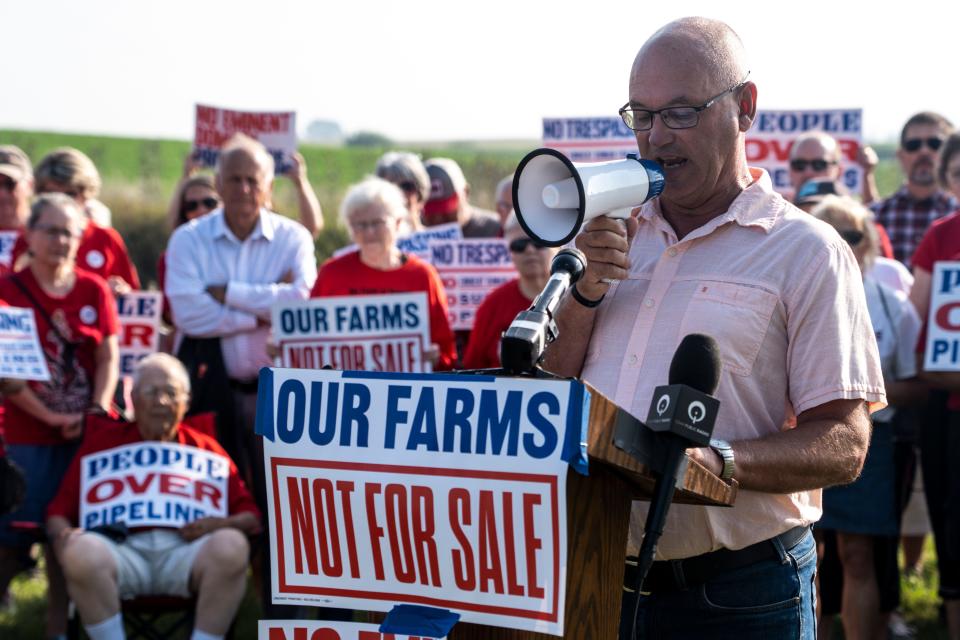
[154,562]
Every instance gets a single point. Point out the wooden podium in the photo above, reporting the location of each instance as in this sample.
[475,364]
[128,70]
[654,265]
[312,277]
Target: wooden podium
[598,516]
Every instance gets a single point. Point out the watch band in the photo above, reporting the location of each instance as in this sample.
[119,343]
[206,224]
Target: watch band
[723,448]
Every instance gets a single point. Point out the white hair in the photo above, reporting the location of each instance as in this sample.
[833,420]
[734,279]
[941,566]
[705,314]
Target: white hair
[241,142]
[503,185]
[373,191]
[164,361]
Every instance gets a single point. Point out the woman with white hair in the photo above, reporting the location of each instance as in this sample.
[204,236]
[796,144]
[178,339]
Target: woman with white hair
[373,210]
[865,511]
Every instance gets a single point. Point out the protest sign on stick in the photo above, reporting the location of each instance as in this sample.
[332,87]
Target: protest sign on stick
[20,354]
[943,325]
[387,332]
[139,314]
[470,269]
[277,130]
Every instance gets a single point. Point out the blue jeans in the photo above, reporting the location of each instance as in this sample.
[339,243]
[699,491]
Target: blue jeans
[764,601]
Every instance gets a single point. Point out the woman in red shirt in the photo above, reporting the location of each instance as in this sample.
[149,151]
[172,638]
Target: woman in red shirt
[76,319]
[101,250]
[502,305]
[373,211]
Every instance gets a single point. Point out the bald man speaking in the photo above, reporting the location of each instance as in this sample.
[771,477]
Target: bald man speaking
[721,253]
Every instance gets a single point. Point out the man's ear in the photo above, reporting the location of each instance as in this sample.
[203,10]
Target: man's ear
[747,105]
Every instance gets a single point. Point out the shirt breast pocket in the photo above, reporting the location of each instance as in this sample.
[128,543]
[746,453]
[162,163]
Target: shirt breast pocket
[737,316]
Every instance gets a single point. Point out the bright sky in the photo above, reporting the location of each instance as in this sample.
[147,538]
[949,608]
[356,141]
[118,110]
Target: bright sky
[441,70]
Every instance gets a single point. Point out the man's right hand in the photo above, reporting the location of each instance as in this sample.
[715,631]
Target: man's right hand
[70,425]
[605,242]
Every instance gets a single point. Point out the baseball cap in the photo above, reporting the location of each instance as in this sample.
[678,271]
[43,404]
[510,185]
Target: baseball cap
[447,184]
[14,163]
[815,190]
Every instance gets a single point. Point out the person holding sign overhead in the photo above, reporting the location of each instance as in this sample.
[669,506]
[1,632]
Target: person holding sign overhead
[145,546]
[502,305]
[76,318]
[373,211]
[940,435]
[16,189]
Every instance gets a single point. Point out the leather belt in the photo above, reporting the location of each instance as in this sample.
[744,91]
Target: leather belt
[677,575]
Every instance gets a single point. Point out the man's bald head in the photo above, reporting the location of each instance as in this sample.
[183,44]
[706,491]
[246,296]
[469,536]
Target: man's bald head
[243,145]
[711,45]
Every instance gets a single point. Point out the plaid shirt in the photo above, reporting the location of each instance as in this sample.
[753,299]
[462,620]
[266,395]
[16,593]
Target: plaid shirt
[906,219]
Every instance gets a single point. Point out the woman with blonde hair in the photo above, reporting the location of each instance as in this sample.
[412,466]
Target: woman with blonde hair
[865,512]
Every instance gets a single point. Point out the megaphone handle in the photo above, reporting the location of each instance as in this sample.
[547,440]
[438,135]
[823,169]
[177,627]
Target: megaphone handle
[620,215]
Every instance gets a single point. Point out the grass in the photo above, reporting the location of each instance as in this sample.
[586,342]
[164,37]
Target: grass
[919,606]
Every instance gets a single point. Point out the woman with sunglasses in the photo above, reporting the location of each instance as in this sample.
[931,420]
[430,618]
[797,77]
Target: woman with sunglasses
[865,511]
[940,432]
[502,305]
[373,211]
[76,319]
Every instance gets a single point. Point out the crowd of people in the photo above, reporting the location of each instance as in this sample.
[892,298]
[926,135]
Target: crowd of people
[820,301]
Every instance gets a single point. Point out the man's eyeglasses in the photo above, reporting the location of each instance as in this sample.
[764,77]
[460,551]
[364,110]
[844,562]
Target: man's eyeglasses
[914,144]
[192,205]
[362,225]
[410,188]
[519,245]
[673,117]
[852,236]
[800,164]
[7,184]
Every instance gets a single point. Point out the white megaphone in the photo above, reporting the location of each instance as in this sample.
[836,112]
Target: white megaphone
[553,196]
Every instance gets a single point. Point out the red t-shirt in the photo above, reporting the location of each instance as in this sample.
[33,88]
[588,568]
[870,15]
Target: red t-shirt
[494,315]
[101,251]
[67,501]
[940,242]
[349,276]
[85,316]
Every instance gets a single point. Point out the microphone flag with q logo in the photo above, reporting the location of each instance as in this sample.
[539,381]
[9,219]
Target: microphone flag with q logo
[683,410]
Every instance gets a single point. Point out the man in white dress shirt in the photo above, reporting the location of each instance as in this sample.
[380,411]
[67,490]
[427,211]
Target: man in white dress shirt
[225,271]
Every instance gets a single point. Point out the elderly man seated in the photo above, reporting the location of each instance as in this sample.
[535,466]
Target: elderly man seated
[162,510]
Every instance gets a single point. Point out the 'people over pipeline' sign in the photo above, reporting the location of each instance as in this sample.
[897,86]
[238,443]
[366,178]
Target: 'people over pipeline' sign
[139,314]
[943,324]
[439,490]
[470,269]
[152,484]
[589,139]
[387,332]
[323,630]
[20,354]
[277,130]
[770,139]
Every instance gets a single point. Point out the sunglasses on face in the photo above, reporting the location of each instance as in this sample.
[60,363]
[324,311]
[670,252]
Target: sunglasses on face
[852,236]
[7,184]
[799,164]
[192,205]
[519,245]
[914,144]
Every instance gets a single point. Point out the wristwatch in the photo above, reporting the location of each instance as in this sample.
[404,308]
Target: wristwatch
[723,448]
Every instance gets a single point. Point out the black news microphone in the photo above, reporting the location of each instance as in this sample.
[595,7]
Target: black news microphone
[522,344]
[684,411]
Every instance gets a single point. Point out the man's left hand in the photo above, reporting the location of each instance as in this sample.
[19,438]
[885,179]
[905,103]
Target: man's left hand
[218,292]
[193,530]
